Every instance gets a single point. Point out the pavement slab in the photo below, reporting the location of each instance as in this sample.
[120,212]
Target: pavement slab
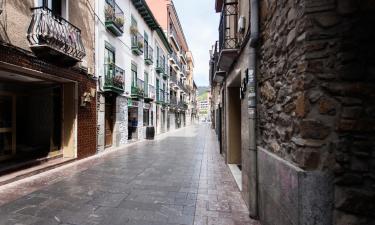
[178,179]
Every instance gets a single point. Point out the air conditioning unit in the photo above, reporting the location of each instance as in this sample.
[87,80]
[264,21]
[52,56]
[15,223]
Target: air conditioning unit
[241,24]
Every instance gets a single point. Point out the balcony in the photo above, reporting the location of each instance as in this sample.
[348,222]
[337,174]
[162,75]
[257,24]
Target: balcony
[228,39]
[183,57]
[166,74]
[173,37]
[137,90]
[216,75]
[137,41]
[149,55]
[173,81]
[173,58]
[173,102]
[114,18]
[114,78]
[160,97]
[149,93]
[183,105]
[160,65]
[55,39]
[182,86]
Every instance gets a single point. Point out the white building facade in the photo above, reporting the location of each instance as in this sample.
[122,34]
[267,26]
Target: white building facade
[130,56]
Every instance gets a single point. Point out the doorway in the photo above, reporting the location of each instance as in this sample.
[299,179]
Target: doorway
[234,134]
[109,121]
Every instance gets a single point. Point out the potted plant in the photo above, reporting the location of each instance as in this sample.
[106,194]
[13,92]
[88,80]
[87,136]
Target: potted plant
[133,29]
[109,12]
[120,21]
[140,43]
[118,80]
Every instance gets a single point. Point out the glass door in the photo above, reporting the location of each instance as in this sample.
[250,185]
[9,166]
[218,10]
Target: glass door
[7,126]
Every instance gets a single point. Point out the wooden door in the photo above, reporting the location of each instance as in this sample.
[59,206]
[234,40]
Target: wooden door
[108,124]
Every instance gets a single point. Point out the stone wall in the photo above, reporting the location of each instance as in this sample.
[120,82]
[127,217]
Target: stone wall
[121,124]
[101,123]
[341,63]
[317,88]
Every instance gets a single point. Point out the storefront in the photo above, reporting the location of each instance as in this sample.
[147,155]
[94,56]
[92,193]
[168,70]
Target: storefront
[134,110]
[37,118]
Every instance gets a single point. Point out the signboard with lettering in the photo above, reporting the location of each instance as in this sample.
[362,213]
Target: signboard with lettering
[146,105]
[132,103]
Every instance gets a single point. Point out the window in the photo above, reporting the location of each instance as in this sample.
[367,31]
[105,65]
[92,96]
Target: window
[58,7]
[157,89]
[146,46]
[146,83]
[133,22]
[134,75]
[109,54]
[146,120]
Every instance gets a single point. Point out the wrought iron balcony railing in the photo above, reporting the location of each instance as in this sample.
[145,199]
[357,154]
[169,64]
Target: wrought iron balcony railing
[181,85]
[173,58]
[114,17]
[160,96]
[228,38]
[183,56]
[151,92]
[137,89]
[173,78]
[160,65]
[54,38]
[114,78]
[173,36]
[137,42]
[173,101]
[149,55]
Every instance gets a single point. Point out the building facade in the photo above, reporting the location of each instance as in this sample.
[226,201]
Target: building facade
[181,64]
[131,61]
[292,97]
[47,87]
[79,77]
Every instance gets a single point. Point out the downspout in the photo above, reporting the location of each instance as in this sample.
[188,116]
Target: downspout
[252,110]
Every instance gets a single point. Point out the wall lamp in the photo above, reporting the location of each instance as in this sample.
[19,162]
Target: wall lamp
[87,97]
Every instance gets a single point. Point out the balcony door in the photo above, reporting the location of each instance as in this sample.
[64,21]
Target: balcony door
[109,61]
[58,7]
[134,74]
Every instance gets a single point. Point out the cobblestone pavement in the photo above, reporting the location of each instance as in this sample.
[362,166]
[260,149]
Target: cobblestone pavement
[176,180]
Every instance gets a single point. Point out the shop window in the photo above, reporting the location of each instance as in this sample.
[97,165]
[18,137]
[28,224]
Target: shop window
[146,117]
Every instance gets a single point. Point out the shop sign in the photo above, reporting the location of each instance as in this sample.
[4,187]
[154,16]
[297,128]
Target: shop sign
[132,103]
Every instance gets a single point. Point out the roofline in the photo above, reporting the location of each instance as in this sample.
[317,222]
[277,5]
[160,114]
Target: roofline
[153,24]
[179,23]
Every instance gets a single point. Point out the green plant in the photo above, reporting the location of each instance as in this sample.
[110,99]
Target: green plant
[133,29]
[109,12]
[140,44]
[120,21]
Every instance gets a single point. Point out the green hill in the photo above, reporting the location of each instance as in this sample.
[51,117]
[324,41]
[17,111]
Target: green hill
[202,93]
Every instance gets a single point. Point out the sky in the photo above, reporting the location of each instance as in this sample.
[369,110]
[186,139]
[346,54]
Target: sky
[200,23]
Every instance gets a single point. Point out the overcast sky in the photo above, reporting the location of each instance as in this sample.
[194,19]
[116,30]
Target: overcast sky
[200,24]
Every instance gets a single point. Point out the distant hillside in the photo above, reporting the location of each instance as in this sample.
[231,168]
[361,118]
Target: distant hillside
[202,90]
[202,93]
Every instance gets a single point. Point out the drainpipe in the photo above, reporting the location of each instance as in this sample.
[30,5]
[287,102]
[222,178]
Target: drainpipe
[252,110]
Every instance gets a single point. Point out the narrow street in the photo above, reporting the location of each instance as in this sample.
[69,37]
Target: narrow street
[180,178]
